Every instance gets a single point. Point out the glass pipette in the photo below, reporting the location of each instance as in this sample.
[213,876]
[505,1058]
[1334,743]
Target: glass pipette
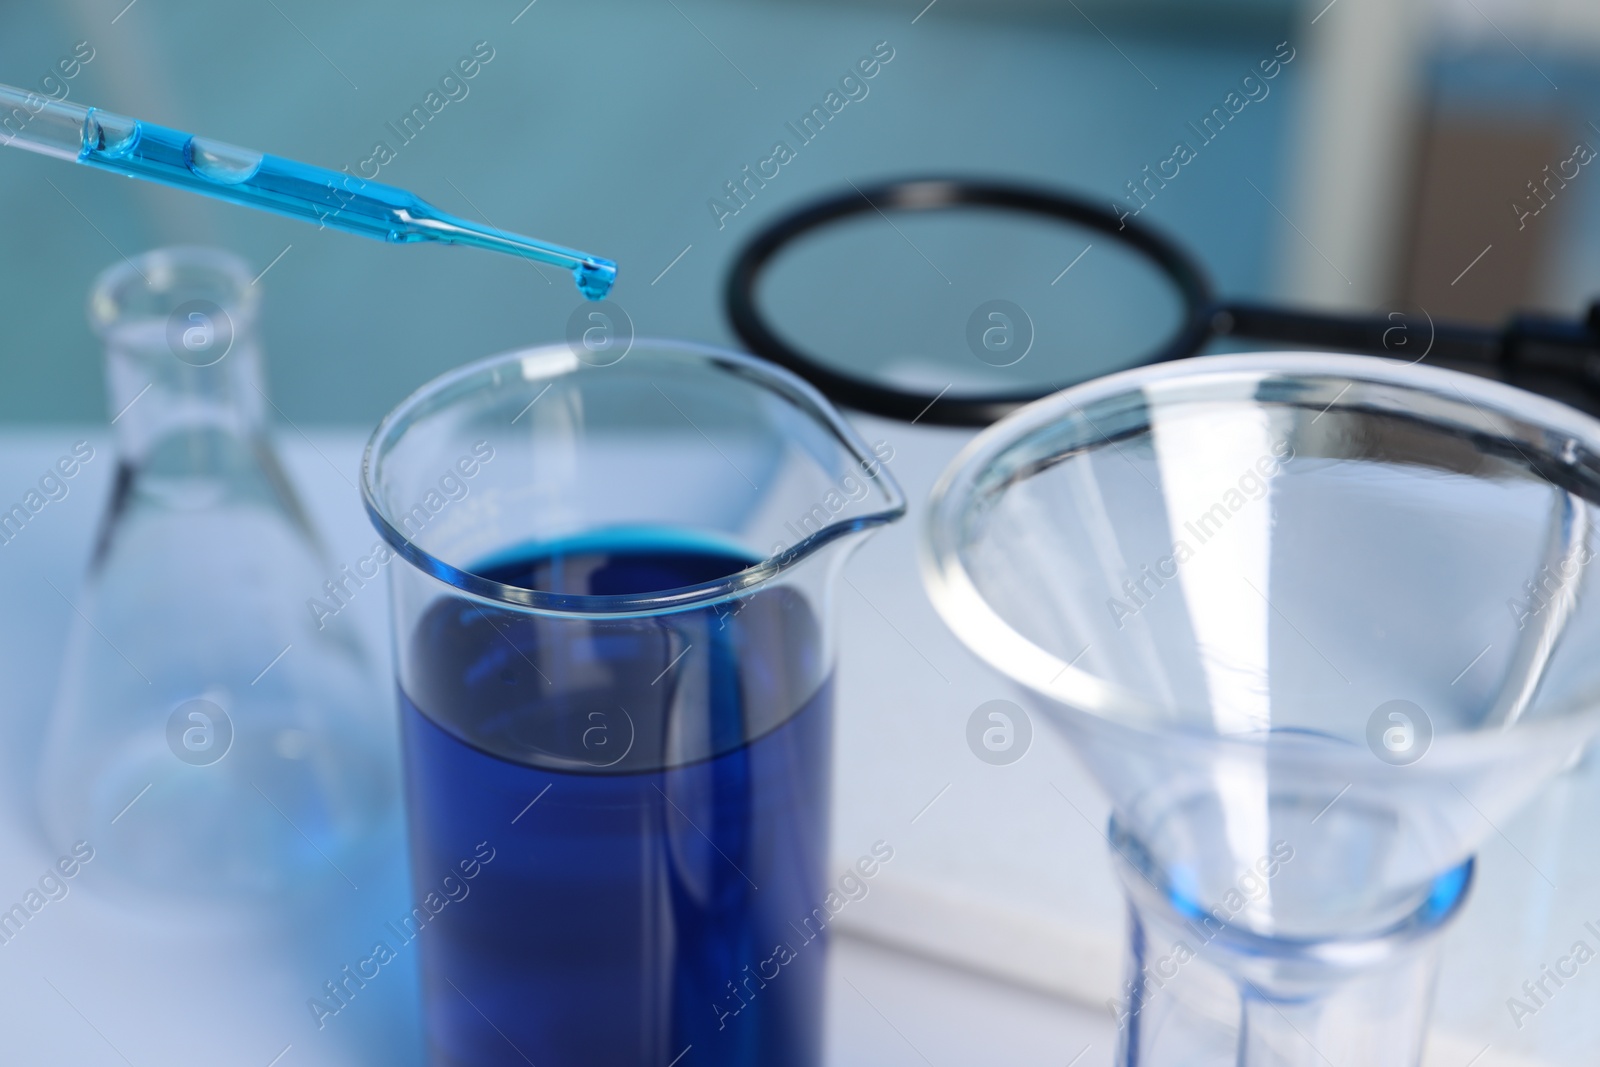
[331,198]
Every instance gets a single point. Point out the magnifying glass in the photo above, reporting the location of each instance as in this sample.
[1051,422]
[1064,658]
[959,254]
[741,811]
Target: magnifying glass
[953,301]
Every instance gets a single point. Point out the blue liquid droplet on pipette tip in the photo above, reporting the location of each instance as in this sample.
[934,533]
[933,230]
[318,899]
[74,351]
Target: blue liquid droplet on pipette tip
[595,277]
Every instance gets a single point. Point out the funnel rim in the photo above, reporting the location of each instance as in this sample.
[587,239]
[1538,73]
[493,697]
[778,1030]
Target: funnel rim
[1109,705]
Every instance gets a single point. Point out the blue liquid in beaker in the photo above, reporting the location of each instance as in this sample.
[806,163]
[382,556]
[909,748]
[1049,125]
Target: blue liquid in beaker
[679,769]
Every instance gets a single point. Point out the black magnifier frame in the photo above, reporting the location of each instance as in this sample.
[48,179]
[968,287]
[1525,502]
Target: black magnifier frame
[1557,357]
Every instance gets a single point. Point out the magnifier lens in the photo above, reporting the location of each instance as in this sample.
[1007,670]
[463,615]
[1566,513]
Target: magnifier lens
[981,301]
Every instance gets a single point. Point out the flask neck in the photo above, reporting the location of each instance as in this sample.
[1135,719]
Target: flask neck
[182,362]
[155,396]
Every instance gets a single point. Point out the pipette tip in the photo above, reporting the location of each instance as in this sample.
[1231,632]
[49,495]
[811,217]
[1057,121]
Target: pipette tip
[595,277]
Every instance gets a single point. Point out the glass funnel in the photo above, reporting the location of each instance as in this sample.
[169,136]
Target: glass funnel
[615,660]
[1317,624]
[214,736]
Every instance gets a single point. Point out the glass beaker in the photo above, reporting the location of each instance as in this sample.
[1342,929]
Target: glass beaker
[1317,624]
[212,738]
[615,669]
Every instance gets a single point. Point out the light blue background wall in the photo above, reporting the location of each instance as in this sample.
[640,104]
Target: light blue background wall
[601,125]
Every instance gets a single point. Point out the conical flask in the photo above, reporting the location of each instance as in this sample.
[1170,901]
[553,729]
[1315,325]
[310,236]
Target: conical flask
[1317,625]
[212,736]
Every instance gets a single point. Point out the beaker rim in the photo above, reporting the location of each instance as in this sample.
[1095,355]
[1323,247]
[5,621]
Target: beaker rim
[1102,701]
[782,383]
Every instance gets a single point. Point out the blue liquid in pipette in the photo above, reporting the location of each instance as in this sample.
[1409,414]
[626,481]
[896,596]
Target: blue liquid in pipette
[314,194]
[620,921]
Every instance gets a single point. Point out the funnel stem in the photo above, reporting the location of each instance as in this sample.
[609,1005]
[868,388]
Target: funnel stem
[1191,1002]
[1202,991]
[1377,1019]
[1275,1034]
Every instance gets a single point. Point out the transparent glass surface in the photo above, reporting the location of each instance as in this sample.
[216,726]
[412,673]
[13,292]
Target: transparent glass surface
[1317,624]
[615,664]
[232,735]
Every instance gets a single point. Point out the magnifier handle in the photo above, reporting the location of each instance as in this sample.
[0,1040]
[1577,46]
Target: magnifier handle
[1396,335]
[1554,356]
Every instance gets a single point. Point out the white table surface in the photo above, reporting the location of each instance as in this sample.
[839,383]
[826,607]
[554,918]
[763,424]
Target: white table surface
[992,937]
